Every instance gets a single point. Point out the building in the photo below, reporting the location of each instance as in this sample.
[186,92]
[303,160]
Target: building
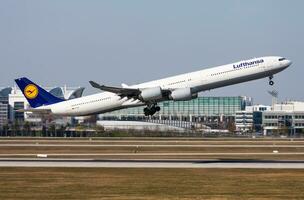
[212,111]
[284,118]
[4,107]
[67,92]
[4,111]
[244,121]
[250,119]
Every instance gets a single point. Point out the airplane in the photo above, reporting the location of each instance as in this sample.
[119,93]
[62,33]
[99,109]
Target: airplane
[177,88]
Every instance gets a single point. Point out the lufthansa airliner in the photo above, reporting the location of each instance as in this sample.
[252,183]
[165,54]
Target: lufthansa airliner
[176,88]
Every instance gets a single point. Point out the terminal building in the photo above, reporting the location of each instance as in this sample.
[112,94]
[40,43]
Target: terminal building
[215,112]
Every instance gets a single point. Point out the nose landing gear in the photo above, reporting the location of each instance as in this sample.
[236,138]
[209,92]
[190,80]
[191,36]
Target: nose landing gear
[270,80]
[151,109]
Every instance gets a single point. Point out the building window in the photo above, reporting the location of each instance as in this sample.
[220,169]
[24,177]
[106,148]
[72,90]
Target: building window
[18,115]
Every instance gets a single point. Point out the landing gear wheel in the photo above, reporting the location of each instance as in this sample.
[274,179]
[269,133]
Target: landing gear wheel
[151,110]
[270,80]
[147,111]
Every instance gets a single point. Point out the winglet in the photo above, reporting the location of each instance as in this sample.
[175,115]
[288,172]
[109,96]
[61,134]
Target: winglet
[94,84]
[123,85]
[129,92]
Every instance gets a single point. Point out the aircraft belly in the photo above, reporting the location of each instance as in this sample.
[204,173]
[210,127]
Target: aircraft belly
[216,83]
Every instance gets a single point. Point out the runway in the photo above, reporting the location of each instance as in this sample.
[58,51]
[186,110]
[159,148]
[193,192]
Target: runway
[152,154]
[154,163]
[155,145]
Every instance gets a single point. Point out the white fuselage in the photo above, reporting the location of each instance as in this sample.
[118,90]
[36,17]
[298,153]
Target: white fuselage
[198,81]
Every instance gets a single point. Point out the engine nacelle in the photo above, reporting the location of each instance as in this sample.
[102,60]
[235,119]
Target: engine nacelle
[151,94]
[182,94]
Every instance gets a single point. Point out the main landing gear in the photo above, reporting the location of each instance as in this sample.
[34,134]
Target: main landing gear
[151,109]
[270,80]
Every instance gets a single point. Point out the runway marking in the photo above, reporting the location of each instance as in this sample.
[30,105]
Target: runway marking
[165,140]
[153,163]
[151,145]
[150,154]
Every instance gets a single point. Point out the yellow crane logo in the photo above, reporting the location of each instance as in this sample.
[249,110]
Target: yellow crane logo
[31,91]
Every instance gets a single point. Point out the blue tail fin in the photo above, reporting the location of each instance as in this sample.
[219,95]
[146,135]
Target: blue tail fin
[35,95]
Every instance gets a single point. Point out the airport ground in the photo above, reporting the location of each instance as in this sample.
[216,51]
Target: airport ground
[150,183]
[151,168]
[153,148]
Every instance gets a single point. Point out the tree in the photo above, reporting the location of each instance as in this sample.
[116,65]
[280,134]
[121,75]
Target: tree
[231,127]
[15,128]
[5,129]
[52,130]
[27,128]
[284,130]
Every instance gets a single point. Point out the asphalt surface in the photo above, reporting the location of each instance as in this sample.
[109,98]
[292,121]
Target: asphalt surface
[153,154]
[150,163]
[20,159]
[149,145]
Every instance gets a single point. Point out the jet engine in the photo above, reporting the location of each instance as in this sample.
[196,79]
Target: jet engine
[151,94]
[182,94]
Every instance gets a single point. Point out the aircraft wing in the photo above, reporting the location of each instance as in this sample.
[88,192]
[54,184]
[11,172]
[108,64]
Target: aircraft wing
[123,92]
[126,92]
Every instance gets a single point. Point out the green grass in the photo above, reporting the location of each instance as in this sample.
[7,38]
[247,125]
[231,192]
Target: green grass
[106,183]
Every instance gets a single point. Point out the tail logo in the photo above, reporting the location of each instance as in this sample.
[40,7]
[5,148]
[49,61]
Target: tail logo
[31,91]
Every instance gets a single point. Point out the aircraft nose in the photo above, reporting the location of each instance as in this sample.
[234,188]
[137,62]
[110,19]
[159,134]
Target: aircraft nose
[289,62]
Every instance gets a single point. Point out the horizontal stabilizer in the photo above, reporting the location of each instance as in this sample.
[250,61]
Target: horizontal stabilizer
[38,111]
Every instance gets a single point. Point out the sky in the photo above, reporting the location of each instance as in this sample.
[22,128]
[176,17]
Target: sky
[57,42]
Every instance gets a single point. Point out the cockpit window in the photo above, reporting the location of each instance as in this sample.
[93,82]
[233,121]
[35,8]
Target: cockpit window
[281,59]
